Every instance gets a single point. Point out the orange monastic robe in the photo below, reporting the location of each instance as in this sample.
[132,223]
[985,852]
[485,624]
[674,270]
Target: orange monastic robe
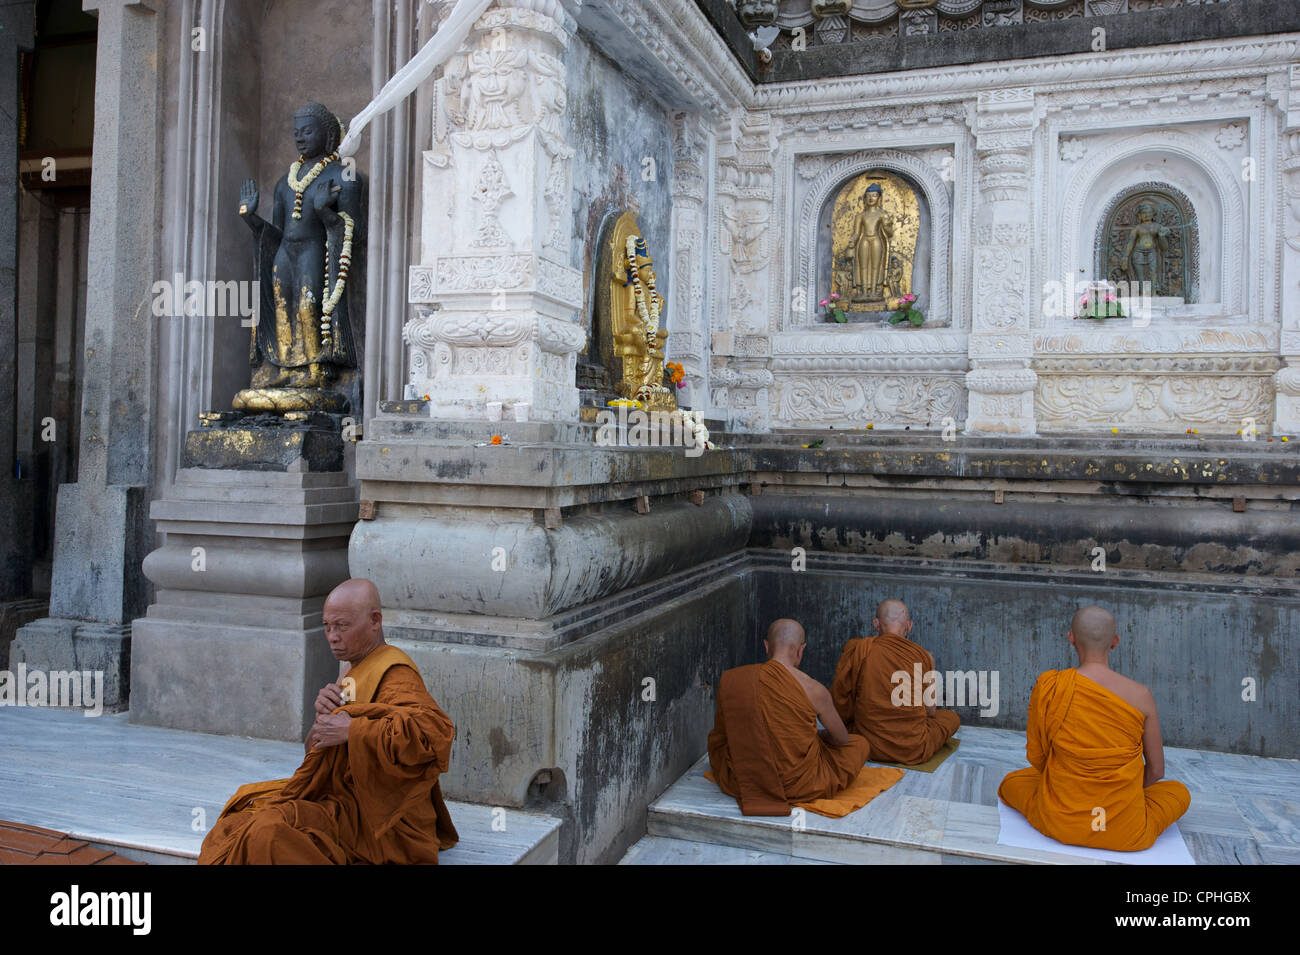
[374,799]
[863,693]
[764,747]
[1084,745]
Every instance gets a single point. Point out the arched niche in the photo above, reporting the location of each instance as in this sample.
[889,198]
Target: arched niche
[931,269]
[915,265]
[1177,161]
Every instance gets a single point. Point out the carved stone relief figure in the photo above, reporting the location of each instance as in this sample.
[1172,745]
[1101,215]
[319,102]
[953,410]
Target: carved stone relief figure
[1149,234]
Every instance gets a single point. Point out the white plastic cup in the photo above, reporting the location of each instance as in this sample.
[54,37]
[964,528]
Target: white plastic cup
[494,411]
[521,411]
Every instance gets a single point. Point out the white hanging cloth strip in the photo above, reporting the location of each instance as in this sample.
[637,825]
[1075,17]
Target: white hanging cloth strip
[433,54]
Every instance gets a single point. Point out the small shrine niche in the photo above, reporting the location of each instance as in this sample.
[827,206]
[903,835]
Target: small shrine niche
[1149,234]
[624,358]
[874,244]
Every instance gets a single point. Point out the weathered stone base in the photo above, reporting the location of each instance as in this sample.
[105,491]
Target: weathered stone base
[594,730]
[233,642]
[16,614]
[53,644]
[212,677]
[1193,640]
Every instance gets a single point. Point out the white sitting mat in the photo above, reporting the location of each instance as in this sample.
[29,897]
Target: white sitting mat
[1015,830]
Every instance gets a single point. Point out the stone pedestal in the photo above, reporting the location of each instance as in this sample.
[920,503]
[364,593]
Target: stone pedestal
[233,642]
[539,585]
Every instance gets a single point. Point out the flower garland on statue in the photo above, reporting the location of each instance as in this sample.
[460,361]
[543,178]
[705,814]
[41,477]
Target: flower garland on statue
[299,186]
[649,314]
[649,311]
[332,297]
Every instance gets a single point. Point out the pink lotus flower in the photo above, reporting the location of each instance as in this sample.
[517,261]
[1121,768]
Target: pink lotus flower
[834,297]
[823,302]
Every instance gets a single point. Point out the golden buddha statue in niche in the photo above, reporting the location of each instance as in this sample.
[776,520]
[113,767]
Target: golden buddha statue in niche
[636,308]
[874,225]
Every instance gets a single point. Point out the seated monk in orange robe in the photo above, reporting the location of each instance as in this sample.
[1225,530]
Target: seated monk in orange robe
[1089,729]
[865,685]
[368,790]
[765,748]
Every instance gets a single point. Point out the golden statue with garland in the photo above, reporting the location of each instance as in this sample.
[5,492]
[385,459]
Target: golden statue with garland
[635,310]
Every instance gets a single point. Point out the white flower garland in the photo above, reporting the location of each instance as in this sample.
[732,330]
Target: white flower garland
[333,297]
[299,186]
[693,422]
[649,313]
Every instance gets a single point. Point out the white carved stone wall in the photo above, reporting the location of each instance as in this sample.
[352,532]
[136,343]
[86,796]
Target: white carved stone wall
[1036,150]
[1208,365]
[1017,162]
[494,295]
[1287,380]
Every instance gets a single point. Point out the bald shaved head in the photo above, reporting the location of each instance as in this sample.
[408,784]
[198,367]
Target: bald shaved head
[1093,629]
[357,592]
[892,617]
[785,634]
[353,619]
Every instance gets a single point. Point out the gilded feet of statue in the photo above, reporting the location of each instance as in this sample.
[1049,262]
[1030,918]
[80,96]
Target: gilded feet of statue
[280,400]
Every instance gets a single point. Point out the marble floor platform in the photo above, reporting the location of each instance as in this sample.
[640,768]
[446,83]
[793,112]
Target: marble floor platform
[150,794]
[1245,810]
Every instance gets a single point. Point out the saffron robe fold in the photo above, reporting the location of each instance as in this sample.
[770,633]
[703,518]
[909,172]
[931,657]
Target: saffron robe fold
[374,799]
[863,692]
[1084,784]
[764,748]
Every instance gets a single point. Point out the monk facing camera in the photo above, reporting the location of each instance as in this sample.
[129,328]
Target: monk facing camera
[765,749]
[368,791]
[1095,754]
[864,695]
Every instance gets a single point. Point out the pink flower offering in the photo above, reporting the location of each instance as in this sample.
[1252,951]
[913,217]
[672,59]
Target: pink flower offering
[834,297]
[823,302]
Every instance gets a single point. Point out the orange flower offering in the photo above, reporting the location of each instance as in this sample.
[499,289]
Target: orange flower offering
[496,439]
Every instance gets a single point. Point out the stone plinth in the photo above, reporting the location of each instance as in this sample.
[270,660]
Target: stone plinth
[539,584]
[233,642]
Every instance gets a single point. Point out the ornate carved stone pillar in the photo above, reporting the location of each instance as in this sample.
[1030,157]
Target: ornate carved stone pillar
[1287,379]
[1000,382]
[686,328]
[742,336]
[495,298]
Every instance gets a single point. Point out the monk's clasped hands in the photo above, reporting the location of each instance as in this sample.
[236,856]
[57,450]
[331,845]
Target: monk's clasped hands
[330,729]
[329,699]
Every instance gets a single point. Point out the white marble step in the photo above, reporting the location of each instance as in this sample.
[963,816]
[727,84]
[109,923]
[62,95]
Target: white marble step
[150,794]
[659,850]
[1243,810]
